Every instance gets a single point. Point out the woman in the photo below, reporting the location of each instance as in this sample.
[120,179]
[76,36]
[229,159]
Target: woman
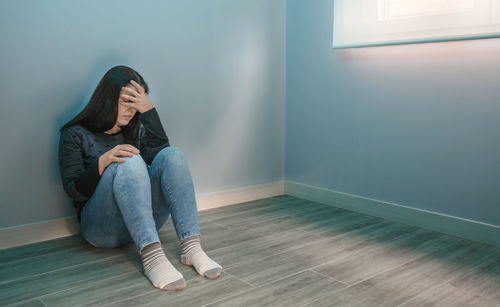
[125,179]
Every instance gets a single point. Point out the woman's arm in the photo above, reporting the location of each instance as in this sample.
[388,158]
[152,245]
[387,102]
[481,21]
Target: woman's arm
[152,137]
[78,182]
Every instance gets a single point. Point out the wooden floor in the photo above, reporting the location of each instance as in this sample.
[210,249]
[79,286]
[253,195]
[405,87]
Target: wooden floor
[279,251]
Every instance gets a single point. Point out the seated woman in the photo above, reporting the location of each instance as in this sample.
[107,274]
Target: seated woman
[125,179]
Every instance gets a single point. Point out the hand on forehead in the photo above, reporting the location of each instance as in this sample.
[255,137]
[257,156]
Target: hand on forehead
[129,85]
[134,86]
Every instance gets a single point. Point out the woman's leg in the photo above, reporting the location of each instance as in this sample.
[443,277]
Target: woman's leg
[173,192]
[120,209]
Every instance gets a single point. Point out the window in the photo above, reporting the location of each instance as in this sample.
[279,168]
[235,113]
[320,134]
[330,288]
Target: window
[383,22]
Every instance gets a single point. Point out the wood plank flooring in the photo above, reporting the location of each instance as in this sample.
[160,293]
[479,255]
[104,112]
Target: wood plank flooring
[278,251]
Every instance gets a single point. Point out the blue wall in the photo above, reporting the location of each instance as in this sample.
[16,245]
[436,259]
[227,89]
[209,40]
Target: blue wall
[215,69]
[415,125]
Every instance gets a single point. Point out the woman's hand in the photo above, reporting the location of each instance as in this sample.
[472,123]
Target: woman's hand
[112,155]
[136,97]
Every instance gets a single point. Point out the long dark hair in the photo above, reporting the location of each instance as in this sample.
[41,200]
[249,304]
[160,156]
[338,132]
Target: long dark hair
[101,112]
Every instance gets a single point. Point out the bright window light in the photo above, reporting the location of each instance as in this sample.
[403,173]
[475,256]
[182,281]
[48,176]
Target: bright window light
[359,23]
[415,8]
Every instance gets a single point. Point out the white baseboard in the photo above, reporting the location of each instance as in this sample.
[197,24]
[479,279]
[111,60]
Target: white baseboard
[236,196]
[67,226]
[452,225]
[463,228]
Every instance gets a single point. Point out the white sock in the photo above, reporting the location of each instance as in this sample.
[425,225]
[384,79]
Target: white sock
[159,270]
[193,254]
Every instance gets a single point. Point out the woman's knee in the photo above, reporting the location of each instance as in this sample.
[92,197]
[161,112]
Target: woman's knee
[173,155]
[133,164]
[136,161]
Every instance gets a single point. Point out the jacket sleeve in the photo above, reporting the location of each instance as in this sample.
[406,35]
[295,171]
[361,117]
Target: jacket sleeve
[152,135]
[78,182]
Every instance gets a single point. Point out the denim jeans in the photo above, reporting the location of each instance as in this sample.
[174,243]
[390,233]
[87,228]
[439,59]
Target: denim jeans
[132,202]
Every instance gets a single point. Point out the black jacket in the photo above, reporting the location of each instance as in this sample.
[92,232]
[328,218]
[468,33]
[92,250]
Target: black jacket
[80,149]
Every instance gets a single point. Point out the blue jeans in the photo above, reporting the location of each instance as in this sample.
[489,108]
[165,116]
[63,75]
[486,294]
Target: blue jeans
[132,202]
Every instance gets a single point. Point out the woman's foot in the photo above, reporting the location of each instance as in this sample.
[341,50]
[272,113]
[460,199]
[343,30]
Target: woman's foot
[193,255]
[159,270]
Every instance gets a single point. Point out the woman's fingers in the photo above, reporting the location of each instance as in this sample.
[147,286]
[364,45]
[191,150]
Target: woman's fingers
[126,97]
[137,86]
[133,148]
[123,150]
[116,159]
[128,104]
[130,91]
[124,153]
[129,147]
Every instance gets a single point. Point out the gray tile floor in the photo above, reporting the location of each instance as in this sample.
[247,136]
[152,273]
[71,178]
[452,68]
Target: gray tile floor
[279,251]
